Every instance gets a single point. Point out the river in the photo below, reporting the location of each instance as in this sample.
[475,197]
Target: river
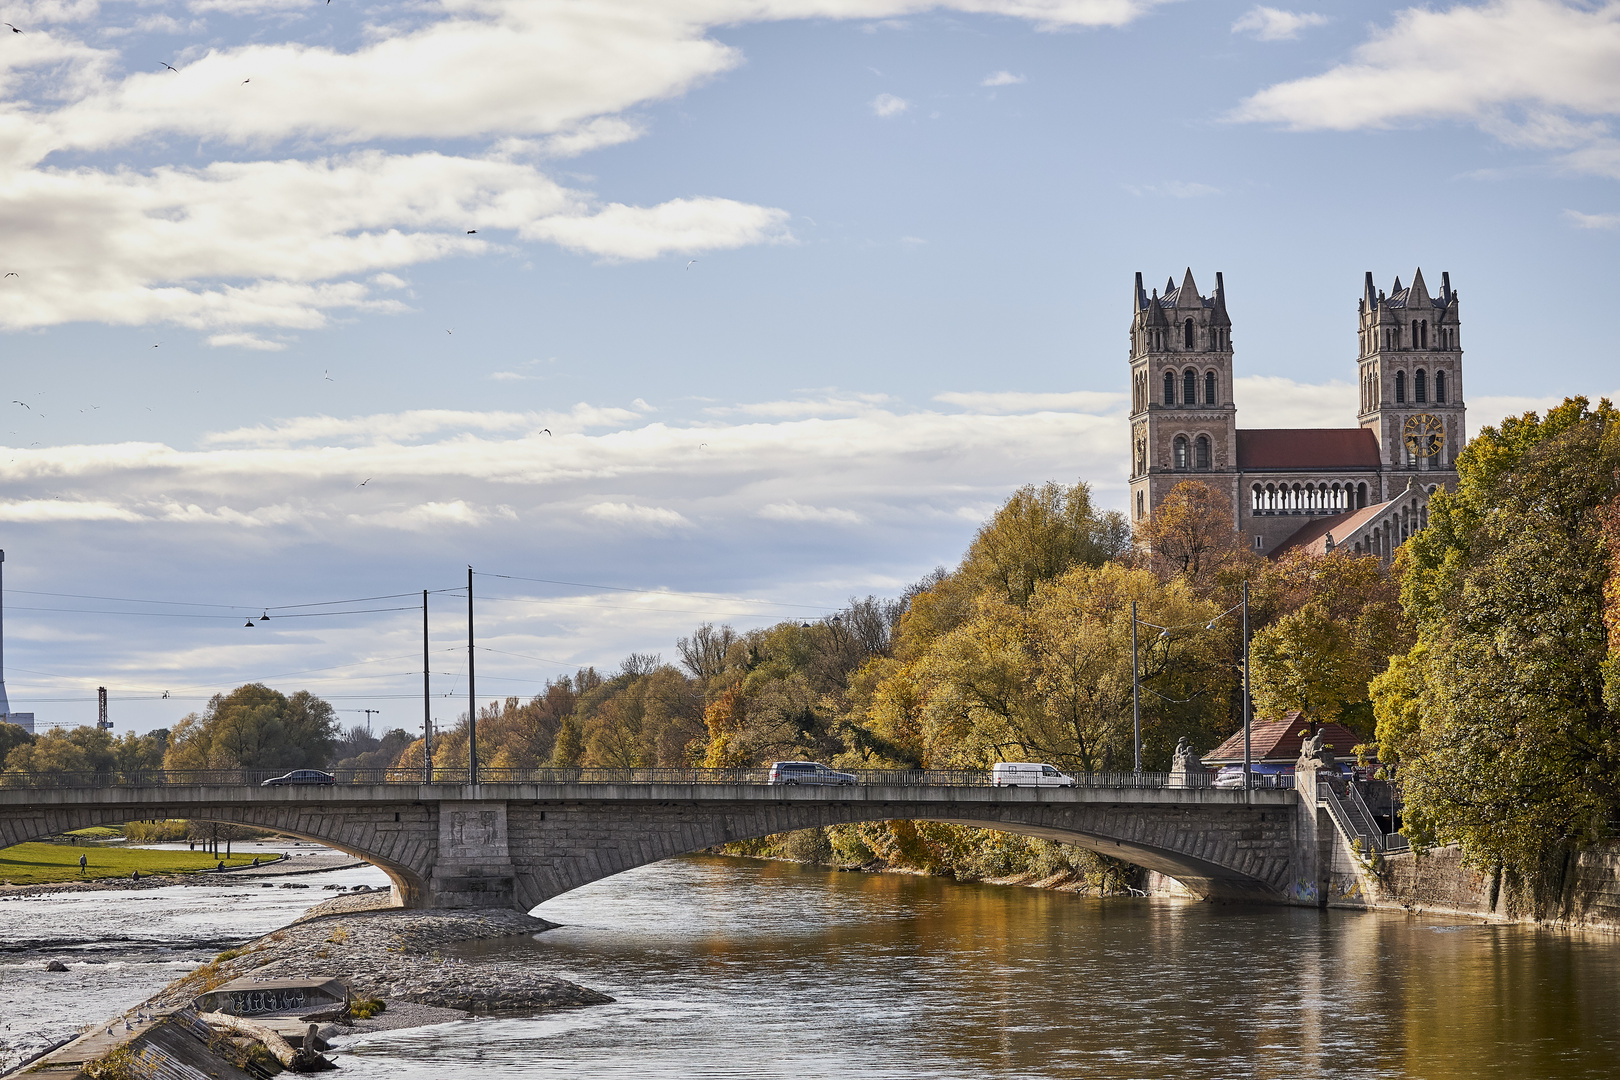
[739,968]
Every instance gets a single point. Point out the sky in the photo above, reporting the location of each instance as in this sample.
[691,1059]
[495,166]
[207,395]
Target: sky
[658,312]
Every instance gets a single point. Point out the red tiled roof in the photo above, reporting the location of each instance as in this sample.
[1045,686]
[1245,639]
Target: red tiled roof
[1312,534]
[1307,448]
[1278,741]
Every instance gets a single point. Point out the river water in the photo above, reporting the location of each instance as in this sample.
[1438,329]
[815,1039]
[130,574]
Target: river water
[738,968]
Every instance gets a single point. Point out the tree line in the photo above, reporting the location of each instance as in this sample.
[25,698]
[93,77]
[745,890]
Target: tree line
[1483,663]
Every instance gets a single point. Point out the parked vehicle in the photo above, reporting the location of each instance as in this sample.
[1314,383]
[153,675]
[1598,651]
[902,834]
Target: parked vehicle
[1027,774]
[300,776]
[1229,776]
[808,772]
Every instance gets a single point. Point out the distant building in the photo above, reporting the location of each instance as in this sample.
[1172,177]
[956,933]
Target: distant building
[24,720]
[1366,488]
[1274,745]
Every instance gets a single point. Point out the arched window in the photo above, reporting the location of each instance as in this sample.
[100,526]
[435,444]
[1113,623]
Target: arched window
[1400,388]
[1186,335]
[1420,386]
[1425,333]
[1414,333]
[1169,389]
[1189,387]
[1139,506]
[1181,451]
[1203,452]
[1209,388]
[1258,499]
[1440,387]
[1361,496]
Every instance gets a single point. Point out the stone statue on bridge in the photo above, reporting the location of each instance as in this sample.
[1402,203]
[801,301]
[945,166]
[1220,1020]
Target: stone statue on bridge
[1185,764]
[1315,754]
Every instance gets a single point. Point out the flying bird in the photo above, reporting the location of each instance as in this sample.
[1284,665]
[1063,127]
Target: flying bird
[327,375]
[472,232]
[689,264]
[171,67]
[14,30]
[450,331]
[544,431]
[364,482]
[246,81]
[24,404]
[14,274]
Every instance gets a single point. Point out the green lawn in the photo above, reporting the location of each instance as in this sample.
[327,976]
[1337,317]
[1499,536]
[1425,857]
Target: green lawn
[39,863]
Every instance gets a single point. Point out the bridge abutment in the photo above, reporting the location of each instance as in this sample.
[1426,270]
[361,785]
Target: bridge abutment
[474,865]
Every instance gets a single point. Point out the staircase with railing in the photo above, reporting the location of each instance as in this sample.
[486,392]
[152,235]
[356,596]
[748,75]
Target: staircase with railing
[1351,814]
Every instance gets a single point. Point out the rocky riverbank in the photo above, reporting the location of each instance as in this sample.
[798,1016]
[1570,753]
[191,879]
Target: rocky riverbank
[395,955]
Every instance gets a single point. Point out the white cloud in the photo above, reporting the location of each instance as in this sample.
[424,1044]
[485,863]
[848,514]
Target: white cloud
[647,517]
[1593,221]
[1274,24]
[1540,74]
[42,511]
[1002,78]
[245,341]
[1174,189]
[798,512]
[286,228]
[1270,401]
[886,105]
[1003,402]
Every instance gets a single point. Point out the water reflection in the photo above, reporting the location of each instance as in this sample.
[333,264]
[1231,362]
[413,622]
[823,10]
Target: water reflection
[737,968]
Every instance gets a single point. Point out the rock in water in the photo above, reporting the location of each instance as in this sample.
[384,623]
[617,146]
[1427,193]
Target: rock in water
[56,965]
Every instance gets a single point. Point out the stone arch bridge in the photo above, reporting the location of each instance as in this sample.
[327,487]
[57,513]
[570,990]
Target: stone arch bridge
[518,844]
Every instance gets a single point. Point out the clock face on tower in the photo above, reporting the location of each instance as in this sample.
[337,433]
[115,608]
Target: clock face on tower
[1425,434]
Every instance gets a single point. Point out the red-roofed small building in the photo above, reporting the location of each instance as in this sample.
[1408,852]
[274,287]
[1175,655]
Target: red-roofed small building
[1275,744]
[1365,489]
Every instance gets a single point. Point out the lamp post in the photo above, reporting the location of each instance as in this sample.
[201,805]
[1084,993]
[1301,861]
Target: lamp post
[1136,694]
[1248,704]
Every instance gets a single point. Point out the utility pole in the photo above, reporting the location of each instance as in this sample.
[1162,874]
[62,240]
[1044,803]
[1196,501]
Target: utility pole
[472,693]
[1136,693]
[1248,706]
[427,715]
[368,713]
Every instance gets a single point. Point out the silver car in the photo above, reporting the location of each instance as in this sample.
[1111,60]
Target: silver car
[808,772]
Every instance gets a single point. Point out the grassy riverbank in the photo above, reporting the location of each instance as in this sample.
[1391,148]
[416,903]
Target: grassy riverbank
[42,863]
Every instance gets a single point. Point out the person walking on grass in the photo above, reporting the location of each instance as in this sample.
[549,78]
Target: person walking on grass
[83,862]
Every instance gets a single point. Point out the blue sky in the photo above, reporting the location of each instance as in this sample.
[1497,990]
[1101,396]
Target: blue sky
[254,356]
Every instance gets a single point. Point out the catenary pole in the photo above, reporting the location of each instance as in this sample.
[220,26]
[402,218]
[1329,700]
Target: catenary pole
[1136,694]
[427,712]
[472,693]
[1248,706]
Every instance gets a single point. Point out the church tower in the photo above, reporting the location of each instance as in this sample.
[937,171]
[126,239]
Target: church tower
[1183,416]
[1411,377]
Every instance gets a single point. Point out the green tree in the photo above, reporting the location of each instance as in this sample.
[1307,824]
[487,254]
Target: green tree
[11,737]
[1038,534]
[1506,741]
[255,727]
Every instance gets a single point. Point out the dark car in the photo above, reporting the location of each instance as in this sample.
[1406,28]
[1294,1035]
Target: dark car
[300,776]
[808,772]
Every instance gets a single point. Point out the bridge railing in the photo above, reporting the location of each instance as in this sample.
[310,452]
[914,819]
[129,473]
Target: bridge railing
[148,778]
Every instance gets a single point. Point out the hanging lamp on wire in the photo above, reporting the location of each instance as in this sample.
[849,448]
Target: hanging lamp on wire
[266,616]
[248,624]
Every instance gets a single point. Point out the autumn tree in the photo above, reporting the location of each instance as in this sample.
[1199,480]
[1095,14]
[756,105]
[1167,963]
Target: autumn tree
[1508,741]
[1192,533]
[255,727]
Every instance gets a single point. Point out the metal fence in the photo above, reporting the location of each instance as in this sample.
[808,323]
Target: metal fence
[748,776]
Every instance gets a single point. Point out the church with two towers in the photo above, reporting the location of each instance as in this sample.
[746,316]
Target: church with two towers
[1365,487]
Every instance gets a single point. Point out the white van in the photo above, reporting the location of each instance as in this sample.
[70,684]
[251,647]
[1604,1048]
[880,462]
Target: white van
[1027,774]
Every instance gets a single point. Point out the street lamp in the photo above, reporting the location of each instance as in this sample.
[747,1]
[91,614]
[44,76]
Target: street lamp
[1136,682]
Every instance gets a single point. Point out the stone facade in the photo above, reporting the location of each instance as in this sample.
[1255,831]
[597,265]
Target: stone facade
[1280,481]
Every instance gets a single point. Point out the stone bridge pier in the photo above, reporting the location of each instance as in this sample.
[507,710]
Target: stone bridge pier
[516,845]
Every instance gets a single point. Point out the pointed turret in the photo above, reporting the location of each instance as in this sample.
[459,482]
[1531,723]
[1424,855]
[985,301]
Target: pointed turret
[1445,287]
[1169,285]
[1419,296]
[1188,296]
[1220,318]
[1140,297]
[1369,295]
[1156,316]
[1396,291]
